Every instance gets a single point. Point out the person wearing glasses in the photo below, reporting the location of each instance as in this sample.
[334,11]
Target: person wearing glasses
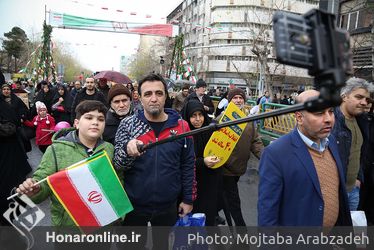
[88,92]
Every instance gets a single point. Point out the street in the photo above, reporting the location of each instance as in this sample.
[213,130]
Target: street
[248,187]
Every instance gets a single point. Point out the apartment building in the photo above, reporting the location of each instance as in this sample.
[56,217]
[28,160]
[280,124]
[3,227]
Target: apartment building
[357,17]
[231,42]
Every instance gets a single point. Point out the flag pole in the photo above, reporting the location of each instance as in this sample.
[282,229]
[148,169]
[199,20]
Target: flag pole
[43,180]
[16,194]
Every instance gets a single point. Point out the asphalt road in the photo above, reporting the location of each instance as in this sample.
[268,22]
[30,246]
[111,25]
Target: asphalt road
[248,187]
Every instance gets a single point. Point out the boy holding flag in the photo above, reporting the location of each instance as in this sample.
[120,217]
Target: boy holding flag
[69,146]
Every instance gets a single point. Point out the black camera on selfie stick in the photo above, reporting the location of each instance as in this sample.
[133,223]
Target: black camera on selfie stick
[312,41]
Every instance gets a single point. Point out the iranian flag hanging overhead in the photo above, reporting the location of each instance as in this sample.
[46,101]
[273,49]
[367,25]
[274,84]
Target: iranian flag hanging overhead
[91,192]
[60,20]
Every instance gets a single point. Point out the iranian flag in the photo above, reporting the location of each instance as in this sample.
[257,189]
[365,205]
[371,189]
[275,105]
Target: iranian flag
[91,192]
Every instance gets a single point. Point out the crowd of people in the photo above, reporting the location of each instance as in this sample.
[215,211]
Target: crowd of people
[312,176]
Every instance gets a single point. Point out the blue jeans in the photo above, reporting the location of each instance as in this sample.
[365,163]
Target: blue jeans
[353,198]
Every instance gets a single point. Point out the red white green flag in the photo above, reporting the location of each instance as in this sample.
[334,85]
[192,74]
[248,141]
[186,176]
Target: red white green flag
[91,192]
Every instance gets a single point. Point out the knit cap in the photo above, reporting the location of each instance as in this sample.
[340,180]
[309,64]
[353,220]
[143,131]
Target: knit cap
[118,89]
[40,105]
[234,92]
[200,83]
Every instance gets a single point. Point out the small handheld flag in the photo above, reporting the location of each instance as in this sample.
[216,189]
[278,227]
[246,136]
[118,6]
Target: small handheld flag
[91,192]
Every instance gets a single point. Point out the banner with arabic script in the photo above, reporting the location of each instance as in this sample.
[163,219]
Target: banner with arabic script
[60,20]
[223,141]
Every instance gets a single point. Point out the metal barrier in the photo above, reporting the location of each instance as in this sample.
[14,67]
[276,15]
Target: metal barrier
[278,125]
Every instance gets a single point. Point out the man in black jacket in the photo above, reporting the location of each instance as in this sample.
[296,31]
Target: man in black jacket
[351,132]
[89,92]
[200,95]
[119,99]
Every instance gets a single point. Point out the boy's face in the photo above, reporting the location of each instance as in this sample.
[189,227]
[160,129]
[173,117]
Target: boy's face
[91,125]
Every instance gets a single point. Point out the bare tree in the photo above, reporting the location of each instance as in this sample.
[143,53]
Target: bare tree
[143,64]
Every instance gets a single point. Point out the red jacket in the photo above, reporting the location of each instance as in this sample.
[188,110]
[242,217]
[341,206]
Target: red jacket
[42,137]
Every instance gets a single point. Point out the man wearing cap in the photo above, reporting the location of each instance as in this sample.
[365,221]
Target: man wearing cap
[236,165]
[119,99]
[200,95]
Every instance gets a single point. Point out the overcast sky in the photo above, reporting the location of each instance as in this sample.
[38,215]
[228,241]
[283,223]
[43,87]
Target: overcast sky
[102,50]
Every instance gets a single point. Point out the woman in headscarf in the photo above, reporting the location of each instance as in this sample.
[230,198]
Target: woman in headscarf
[45,95]
[61,104]
[21,113]
[206,177]
[13,159]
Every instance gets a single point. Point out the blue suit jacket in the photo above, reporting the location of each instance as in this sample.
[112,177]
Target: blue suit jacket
[289,190]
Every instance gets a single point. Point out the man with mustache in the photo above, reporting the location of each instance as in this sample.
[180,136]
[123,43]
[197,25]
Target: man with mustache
[351,133]
[160,181]
[301,175]
[119,100]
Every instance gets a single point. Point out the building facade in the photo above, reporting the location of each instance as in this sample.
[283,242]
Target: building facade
[357,16]
[231,42]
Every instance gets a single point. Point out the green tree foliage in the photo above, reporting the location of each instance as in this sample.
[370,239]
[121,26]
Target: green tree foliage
[61,55]
[14,44]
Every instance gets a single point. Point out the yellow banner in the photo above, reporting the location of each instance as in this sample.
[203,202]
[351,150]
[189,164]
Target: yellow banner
[223,141]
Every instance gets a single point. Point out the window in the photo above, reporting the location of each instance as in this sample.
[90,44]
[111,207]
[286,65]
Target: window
[344,21]
[357,19]
[353,20]
[364,18]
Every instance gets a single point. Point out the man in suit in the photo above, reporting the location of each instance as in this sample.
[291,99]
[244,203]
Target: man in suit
[301,175]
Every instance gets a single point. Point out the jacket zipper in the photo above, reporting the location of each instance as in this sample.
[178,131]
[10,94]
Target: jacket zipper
[155,180]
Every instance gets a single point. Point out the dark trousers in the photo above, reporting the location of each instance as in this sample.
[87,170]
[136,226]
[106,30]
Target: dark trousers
[207,193]
[232,199]
[165,218]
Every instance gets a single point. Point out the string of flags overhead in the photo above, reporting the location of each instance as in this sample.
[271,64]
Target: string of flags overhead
[145,15]
[117,10]
[32,55]
[219,27]
[188,68]
[41,66]
[114,46]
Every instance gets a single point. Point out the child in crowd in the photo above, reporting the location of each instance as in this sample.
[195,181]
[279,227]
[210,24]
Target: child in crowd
[44,124]
[69,146]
